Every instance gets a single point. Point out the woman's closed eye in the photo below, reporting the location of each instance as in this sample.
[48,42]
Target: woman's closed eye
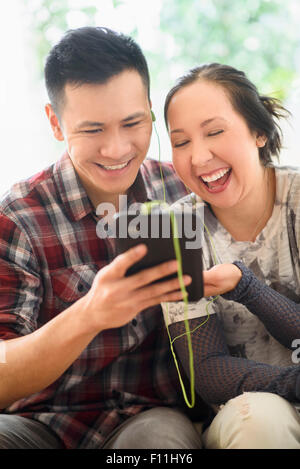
[214,133]
[209,134]
[180,144]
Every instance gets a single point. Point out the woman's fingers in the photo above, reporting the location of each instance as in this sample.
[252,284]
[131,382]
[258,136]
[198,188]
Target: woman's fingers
[220,279]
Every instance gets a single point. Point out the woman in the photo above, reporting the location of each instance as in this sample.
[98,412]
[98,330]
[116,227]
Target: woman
[223,136]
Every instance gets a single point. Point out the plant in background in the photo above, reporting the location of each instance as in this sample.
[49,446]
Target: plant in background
[49,19]
[259,37]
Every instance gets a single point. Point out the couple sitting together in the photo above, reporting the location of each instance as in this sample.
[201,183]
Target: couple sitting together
[85,353]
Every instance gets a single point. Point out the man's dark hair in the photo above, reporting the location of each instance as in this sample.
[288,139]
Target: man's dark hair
[261,113]
[91,55]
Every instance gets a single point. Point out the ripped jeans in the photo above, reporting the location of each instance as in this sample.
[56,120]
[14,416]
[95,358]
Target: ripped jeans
[254,420]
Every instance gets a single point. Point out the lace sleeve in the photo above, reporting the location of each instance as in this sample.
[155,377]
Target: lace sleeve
[280,315]
[219,376]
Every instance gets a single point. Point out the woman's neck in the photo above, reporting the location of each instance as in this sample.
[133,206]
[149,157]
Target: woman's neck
[247,219]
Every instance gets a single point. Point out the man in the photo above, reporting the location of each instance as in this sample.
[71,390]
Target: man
[81,367]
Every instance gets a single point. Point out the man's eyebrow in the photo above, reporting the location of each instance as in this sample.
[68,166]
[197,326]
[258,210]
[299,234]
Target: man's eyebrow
[136,115]
[89,124]
[203,124]
[83,124]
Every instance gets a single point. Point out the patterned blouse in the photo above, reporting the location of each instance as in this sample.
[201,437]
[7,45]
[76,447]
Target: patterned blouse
[248,341]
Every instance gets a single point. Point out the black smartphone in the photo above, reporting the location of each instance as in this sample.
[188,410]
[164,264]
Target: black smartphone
[156,231]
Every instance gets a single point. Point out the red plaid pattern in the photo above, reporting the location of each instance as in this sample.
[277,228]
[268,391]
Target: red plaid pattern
[49,256]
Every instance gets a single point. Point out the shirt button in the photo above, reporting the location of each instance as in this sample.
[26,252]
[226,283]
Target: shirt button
[134,322]
[80,287]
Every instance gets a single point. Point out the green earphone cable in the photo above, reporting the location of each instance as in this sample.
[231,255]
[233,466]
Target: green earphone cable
[159,160]
[186,322]
[178,256]
[146,207]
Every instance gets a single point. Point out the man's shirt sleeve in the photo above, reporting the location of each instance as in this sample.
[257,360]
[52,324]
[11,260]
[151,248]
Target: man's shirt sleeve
[20,286]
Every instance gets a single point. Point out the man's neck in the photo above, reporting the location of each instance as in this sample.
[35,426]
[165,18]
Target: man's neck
[113,199]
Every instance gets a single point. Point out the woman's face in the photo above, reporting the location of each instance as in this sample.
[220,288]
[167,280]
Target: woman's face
[214,152]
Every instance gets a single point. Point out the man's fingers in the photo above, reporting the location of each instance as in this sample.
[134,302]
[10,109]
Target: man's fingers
[119,266]
[171,296]
[159,289]
[147,276]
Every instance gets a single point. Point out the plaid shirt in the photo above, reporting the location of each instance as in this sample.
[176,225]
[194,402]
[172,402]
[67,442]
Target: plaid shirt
[49,256]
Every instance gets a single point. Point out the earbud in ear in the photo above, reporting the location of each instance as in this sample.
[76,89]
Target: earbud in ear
[261,141]
[153,116]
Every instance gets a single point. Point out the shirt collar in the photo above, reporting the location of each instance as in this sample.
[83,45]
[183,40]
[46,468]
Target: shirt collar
[75,198]
[70,188]
[140,191]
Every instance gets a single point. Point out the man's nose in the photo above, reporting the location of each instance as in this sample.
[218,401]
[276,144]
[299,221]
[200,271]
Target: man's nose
[115,146]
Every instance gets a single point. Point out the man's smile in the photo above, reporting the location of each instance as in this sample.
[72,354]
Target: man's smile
[114,167]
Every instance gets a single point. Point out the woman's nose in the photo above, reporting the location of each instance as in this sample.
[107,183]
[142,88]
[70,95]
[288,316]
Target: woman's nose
[201,154]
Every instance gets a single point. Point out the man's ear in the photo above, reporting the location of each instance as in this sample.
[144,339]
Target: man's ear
[54,122]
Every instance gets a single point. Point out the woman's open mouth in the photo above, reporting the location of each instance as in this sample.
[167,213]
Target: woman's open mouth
[217,181]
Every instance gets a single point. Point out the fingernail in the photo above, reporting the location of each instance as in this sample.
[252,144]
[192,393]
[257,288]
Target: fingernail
[187,278]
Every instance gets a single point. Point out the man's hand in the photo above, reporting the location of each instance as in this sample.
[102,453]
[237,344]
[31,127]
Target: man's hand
[114,299]
[220,279]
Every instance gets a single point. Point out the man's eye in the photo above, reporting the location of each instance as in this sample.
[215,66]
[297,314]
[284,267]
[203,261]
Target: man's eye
[132,124]
[92,131]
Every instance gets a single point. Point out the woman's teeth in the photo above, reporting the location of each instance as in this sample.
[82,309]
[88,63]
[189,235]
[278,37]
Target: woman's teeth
[116,166]
[215,176]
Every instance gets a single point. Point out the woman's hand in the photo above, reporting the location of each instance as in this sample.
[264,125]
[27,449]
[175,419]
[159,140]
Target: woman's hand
[220,279]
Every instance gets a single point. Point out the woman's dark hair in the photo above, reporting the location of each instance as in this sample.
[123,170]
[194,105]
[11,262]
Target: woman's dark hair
[91,55]
[260,112]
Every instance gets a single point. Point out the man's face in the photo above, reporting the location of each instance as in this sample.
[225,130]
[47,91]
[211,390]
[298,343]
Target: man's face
[107,130]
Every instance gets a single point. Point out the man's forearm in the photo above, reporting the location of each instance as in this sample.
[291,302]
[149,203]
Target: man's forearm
[35,361]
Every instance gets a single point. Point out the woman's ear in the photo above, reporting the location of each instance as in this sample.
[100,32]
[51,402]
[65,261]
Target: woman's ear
[261,140]
[54,122]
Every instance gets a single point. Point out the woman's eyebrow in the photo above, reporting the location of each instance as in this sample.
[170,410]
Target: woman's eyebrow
[203,124]
[208,121]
